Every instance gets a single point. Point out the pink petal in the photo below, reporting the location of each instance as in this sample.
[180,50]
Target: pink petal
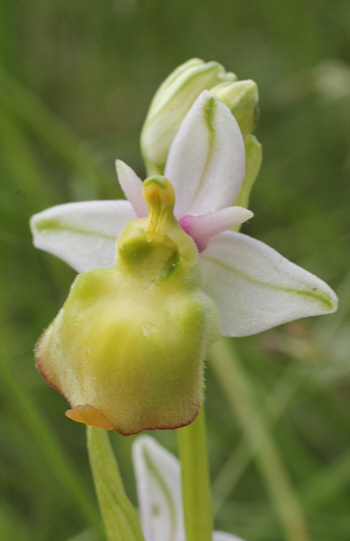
[203,228]
[131,185]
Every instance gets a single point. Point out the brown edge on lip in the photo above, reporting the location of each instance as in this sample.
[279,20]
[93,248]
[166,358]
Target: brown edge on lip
[168,427]
[91,416]
[38,358]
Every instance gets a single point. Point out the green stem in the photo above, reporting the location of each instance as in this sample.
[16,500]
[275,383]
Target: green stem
[195,480]
[119,516]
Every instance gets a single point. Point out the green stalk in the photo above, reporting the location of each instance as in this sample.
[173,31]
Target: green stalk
[119,516]
[195,480]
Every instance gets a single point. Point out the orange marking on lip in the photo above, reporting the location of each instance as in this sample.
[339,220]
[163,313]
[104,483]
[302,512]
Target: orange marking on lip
[90,416]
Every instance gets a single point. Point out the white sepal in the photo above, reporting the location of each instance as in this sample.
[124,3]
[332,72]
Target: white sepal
[206,160]
[82,234]
[255,288]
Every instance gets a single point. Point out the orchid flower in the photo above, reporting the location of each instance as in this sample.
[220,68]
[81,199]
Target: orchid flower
[254,288]
[159,493]
[160,273]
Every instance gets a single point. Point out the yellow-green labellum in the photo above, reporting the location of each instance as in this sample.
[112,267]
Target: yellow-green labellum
[128,346]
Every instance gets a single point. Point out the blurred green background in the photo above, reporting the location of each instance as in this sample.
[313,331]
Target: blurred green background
[76,81]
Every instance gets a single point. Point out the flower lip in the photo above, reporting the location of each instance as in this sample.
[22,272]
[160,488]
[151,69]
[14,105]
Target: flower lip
[92,416]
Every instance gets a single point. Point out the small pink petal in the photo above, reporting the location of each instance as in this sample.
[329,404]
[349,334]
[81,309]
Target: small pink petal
[206,226]
[131,185]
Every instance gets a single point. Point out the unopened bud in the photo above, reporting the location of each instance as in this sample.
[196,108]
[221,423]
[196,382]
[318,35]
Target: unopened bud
[170,105]
[242,98]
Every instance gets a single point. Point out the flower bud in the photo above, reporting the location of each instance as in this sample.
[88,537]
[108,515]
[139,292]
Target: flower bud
[242,98]
[170,105]
[128,346]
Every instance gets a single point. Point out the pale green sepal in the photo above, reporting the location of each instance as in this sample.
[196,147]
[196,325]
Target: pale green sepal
[119,516]
[190,75]
[242,98]
[253,156]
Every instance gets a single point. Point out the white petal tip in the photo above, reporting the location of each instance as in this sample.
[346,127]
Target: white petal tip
[243,214]
[120,166]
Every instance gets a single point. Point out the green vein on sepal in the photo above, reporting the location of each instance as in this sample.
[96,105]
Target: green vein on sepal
[209,117]
[52,224]
[315,293]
